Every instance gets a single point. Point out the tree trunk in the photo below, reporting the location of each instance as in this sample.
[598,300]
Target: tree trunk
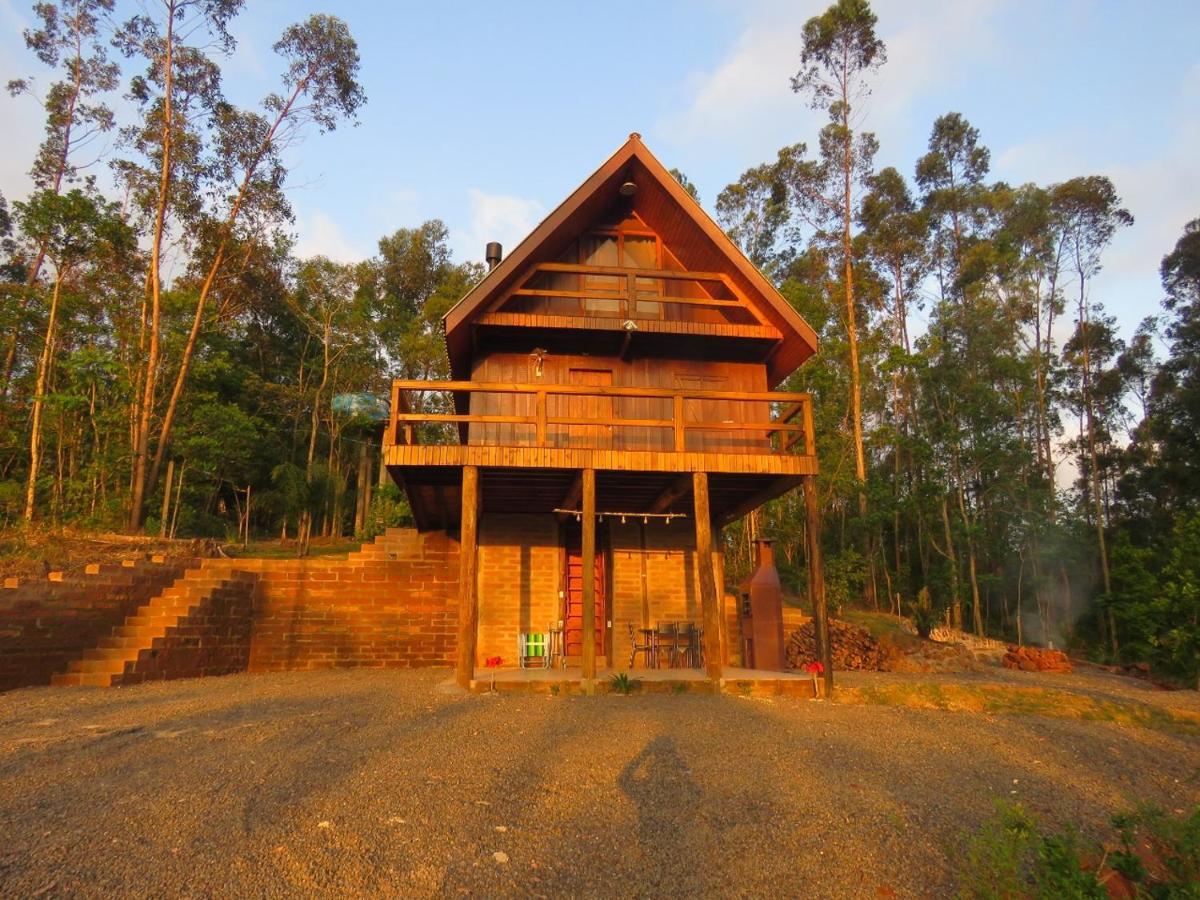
[146,407]
[35,433]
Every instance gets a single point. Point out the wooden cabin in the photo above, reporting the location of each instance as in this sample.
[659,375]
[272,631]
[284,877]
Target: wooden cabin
[611,409]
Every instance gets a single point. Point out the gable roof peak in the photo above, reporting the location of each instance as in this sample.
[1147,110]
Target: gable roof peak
[579,209]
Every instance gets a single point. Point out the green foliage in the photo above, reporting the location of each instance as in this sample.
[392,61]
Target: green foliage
[389,509]
[925,619]
[621,683]
[1010,857]
[1172,843]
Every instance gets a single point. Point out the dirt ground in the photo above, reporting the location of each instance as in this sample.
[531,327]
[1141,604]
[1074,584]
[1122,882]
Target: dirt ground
[392,783]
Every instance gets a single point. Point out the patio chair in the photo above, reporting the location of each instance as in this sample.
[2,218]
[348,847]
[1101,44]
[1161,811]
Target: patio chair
[687,644]
[533,650]
[666,637]
[647,649]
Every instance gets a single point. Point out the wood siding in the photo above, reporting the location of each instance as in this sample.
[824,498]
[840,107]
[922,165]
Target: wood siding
[648,373]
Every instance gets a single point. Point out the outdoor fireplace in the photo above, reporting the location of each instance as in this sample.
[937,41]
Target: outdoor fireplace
[760,613]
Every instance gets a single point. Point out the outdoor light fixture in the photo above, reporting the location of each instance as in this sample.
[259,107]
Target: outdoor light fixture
[628,187]
[538,355]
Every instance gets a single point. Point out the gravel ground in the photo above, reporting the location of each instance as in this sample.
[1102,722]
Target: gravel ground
[391,783]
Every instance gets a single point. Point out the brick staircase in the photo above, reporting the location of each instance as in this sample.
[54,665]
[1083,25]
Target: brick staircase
[115,660]
[201,623]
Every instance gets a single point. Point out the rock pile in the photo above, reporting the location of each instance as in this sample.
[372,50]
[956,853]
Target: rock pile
[853,647]
[1035,659]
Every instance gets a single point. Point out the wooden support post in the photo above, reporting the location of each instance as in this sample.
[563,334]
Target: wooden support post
[718,556]
[589,578]
[710,608]
[468,599]
[816,580]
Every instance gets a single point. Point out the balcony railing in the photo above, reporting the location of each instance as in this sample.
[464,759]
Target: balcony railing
[566,289]
[601,418]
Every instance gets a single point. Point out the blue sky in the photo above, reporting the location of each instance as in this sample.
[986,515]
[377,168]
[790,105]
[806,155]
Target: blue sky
[487,114]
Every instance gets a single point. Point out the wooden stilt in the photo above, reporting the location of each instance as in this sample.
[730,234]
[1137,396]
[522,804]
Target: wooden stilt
[710,608]
[468,599]
[718,557]
[589,576]
[816,580]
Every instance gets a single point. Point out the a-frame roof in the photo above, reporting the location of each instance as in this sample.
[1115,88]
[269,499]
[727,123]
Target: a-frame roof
[683,225]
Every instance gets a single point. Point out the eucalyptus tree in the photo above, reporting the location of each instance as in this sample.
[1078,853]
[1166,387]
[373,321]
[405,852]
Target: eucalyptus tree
[321,88]
[179,89]
[66,228]
[894,236]
[1090,213]
[1174,414]
[840,51]
[755,210]
[72,39]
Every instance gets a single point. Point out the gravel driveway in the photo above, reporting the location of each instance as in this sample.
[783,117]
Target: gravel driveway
[390,783]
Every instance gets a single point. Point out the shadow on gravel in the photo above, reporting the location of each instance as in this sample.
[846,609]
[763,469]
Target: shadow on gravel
[662,790]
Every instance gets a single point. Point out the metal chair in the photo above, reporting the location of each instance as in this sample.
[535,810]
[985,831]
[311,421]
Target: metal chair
[687,645]
[533,650]
[647,649]
[666,636]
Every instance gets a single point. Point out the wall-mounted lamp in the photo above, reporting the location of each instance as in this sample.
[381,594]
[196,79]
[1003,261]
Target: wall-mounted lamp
[539,361]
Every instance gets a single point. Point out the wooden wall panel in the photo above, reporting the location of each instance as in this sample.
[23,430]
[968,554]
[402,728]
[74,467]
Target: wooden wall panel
[655,373]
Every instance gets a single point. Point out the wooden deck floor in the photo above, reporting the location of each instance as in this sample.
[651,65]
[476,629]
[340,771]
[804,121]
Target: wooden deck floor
[748,682]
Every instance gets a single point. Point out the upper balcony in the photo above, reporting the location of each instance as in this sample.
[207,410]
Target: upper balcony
[629,299]
[602,427]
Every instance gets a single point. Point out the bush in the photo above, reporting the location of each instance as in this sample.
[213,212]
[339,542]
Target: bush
[1010,856]
[925,619]
[389,509]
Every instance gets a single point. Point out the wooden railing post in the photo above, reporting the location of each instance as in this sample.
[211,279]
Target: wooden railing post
[630,296]
[541,418]
[810,438]
[395,408]
[680,438]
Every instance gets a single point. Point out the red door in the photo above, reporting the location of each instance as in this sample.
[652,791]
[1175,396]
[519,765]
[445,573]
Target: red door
[573,618]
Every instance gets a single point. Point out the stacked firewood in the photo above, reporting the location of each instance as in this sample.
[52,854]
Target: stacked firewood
[1035,659]
[852,647]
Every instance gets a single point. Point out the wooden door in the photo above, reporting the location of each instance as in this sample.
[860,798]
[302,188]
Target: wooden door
[593,409]
[573,606]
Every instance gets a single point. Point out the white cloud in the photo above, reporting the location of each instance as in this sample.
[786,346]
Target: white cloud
[746,103]
[319,235]
[497,217]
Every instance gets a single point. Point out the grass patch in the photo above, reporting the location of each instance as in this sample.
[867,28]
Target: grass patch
[1011,700]
[280,550]
[881,625]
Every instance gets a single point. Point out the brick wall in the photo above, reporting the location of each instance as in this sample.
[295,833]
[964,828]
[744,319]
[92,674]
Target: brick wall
[667,556]
[392,604]
[45,624]
[519,562]
[382,608]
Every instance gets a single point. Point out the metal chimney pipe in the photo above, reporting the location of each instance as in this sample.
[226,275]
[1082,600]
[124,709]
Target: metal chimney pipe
[493,254]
